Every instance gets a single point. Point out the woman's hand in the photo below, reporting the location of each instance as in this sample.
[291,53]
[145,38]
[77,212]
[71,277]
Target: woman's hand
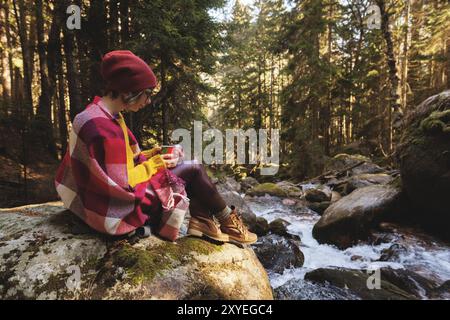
[152,152]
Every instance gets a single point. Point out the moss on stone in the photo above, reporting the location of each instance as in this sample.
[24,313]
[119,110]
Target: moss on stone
[191,244]
[146,264]
[267,188]
[437,122]
[142,264]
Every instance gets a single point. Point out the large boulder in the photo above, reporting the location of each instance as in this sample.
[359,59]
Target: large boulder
[351,218]
[48,253]
[277,253]
[362,180]
[424,156]
[342,161]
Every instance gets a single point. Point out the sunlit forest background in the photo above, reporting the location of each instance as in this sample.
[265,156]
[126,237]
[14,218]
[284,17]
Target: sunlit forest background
[314,69]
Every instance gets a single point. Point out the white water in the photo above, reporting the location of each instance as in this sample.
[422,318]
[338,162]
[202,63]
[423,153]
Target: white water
[427,257]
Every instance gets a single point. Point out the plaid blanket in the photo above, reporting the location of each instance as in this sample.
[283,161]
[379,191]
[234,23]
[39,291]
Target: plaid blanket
[92,179]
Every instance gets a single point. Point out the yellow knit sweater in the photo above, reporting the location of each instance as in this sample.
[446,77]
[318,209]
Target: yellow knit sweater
[143,171]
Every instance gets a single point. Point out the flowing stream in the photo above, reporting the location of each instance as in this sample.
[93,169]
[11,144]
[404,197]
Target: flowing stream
[424,255]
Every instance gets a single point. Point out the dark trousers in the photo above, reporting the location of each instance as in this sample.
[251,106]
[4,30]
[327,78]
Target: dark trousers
[205,200]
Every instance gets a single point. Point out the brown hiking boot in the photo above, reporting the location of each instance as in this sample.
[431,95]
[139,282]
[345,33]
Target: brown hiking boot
[234,227]
[200,226]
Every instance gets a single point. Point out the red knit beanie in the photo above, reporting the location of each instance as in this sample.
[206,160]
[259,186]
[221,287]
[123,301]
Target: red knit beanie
[125,72]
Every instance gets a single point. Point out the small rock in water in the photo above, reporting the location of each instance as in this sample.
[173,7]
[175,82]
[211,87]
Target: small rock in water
[277,253]
[279,227]
[261,228]
[317,195]
[393,252]
[289,202]
[356,258]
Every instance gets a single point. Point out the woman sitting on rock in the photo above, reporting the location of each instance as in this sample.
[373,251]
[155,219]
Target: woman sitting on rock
[107,181]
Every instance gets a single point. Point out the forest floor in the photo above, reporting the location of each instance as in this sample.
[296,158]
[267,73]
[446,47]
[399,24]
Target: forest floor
[41,171]
[39,185]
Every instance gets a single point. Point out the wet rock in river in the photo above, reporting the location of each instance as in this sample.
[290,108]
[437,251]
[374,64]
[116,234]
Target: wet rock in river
[306,290]
[277,253]
[317,195]
[356,281]
[261,228]
[351,219]
[393,253]
[267,188]
[279,227]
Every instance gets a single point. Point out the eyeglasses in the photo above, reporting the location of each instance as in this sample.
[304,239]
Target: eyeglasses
[132,98]
[148,93]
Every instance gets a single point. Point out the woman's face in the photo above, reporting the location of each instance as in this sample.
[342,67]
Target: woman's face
[141,102]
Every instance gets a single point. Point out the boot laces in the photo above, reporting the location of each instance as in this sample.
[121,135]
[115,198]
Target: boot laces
[237,220]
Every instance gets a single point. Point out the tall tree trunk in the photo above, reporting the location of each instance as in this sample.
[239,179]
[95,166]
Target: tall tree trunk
[63,133]
[96,26]
[9,50]
[404,69]
[73,78]
[328,106]
[20,16]
[394,113]
[47,89]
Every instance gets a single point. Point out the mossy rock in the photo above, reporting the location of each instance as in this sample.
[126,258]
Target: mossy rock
[436,123]
[424,158]
[268,188]
[44,258]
